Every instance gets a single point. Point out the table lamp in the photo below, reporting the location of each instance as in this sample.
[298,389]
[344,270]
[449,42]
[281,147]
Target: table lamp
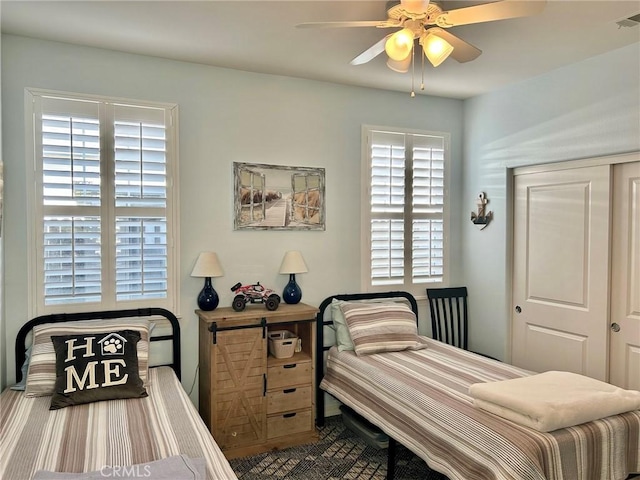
[207,266]
[292,263]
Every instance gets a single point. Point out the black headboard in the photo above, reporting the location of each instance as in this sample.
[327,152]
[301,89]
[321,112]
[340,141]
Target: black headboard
[321,323]
[174,337]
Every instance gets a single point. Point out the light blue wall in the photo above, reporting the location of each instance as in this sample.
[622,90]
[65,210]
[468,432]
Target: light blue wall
[587,109]
[225,116]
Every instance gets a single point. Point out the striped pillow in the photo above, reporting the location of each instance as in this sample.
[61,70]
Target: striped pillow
[41,376]
[382,328]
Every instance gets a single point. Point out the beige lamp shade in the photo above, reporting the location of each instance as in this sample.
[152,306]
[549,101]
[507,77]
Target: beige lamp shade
[207,265]
[436,49]
[415,6]
[399,45]
[293,263]
[401,66]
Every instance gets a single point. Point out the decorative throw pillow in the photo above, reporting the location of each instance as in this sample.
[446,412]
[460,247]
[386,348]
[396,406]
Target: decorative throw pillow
[343,339]
[22,384]
[91,367]
[41,376]
[376,328]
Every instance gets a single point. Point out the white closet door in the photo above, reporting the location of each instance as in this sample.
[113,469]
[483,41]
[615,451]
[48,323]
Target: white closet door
[561,264]
[625,278]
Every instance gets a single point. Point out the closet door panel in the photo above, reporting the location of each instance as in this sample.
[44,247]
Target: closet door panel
[561,265]
[625,278]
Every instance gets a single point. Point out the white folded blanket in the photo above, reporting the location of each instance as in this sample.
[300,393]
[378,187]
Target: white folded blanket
[552,400]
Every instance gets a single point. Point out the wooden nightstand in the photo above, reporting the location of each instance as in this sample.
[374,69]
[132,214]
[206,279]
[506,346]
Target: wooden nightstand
[251,401]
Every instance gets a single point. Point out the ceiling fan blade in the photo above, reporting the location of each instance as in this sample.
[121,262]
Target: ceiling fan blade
[462,51]
[365,23]
[489,12]
[370,53]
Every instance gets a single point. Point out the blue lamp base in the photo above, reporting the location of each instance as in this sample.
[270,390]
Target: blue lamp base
[292,293]
[208,298]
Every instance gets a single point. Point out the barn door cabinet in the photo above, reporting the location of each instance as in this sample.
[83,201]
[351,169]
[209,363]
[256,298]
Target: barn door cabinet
[251,401]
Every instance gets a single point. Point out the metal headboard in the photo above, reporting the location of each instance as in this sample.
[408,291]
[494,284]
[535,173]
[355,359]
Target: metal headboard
[174,337]
[321,323]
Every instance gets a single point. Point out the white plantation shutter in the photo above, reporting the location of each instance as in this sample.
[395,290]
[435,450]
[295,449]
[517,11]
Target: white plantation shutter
[427,209]
[72,260]
[71,201]
[141,258]
[140,157]
[387,200]
[405,208]
[103,204]
[387,251]
[141,188]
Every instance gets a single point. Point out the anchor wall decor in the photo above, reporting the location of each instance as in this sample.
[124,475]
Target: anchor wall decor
[481,219]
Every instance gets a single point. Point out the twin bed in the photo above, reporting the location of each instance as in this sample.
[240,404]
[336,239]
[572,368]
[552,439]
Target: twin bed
[158,436]
[420,398]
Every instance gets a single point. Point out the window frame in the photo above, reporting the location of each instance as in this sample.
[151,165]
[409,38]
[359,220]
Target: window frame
[35,208]
[417,289]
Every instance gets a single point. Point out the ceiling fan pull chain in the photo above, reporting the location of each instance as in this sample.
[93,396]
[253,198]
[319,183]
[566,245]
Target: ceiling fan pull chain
[413,71]
[422,82]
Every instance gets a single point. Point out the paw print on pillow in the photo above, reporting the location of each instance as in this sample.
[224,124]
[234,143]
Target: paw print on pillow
[112,345]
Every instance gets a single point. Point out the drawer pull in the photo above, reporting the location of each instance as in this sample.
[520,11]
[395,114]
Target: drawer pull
[289,390]
[289,415]
[291,365]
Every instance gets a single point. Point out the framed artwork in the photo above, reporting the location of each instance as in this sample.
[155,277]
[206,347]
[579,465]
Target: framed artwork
[272,197]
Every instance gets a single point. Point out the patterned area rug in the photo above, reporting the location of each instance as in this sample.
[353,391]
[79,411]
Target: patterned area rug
[338,454]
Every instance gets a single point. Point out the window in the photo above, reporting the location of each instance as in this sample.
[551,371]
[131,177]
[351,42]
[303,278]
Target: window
[103,204]
[404,221]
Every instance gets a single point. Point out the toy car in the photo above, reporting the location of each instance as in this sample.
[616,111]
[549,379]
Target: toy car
[254,294]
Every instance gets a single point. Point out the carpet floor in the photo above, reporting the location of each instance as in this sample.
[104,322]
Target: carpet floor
[338,454]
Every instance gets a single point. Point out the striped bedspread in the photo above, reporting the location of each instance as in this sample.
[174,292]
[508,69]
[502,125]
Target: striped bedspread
[86,438]
[421,399]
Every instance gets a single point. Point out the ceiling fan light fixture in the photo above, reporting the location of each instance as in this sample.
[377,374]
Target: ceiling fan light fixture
[435,48]
[401,66]
[415,6]
[399,45]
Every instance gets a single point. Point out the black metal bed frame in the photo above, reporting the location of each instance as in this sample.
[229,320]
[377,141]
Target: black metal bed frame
[321,348]
[174,337]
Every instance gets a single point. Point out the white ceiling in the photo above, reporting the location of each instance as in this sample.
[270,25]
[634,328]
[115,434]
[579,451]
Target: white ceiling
[260,36]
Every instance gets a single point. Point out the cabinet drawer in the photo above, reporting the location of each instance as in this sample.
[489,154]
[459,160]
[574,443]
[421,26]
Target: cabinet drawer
[289,423]
[288,375]
[293,398]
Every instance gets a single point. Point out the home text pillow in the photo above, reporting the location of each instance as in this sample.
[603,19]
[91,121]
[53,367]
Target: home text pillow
[41,376]
[96,366]
[382,327]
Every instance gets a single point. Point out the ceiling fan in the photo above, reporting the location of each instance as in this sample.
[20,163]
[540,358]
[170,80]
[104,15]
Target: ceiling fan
[425,22]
